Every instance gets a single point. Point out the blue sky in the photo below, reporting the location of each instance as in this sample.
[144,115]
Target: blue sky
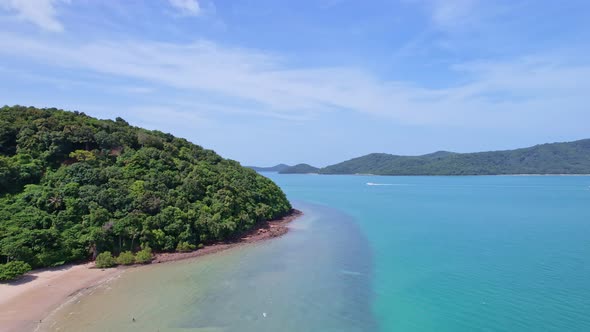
[264,81]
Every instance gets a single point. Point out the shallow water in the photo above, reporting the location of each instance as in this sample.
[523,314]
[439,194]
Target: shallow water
[497,253]
[317,275]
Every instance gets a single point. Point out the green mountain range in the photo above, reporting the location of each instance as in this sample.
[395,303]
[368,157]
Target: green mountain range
[551,158]
[554,158]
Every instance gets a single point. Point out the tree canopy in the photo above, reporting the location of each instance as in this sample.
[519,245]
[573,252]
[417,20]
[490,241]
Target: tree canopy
[72,186]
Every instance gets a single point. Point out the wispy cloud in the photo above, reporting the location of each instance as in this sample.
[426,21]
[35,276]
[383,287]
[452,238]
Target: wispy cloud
[447,13]
[39,12]
[495,93]
[186,7]
[452,15]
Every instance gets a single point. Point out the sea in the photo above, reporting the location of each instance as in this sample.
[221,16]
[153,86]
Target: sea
[376,253]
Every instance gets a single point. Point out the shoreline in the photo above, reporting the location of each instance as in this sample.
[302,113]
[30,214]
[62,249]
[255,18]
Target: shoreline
[439,175]
[263,231]
[26,302]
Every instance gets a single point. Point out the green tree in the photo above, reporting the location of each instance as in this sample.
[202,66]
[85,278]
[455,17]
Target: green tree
[185,247]
[126,258]
[105,260]
[144,256]
[13,270]
[82,155]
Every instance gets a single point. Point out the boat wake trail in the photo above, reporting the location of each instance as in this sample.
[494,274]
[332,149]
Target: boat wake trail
[384,184]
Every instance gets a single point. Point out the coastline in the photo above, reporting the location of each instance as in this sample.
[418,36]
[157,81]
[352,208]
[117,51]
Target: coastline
[26,302]
[263,231]
[438,175]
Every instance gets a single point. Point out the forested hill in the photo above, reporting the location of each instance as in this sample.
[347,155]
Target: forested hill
[276,168]
[300,169]
[555,158]
[72,186]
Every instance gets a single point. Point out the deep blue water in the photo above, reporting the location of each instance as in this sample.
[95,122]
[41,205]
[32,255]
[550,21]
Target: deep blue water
[498,253]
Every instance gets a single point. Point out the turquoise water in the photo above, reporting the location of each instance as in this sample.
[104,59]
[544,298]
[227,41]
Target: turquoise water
[412,254]
[315,278]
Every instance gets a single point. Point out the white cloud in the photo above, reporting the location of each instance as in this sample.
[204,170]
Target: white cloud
[508,93]
[186,7]
[39,12]
[447,13]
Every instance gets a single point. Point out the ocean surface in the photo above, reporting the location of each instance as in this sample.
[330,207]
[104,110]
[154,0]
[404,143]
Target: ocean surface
[497,253]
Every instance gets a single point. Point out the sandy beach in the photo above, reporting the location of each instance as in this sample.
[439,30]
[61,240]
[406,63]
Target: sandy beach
[26,302]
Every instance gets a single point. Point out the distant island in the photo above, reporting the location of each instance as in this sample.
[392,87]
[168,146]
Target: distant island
[300,169]
[555,158]
[552,158]
[276,168]
[73,187]
[286,169]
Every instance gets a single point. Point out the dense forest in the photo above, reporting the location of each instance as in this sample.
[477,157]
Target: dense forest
[555,158]
[72,186]
[300,169]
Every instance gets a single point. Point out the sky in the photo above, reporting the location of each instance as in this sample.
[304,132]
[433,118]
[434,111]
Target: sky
[270,81]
